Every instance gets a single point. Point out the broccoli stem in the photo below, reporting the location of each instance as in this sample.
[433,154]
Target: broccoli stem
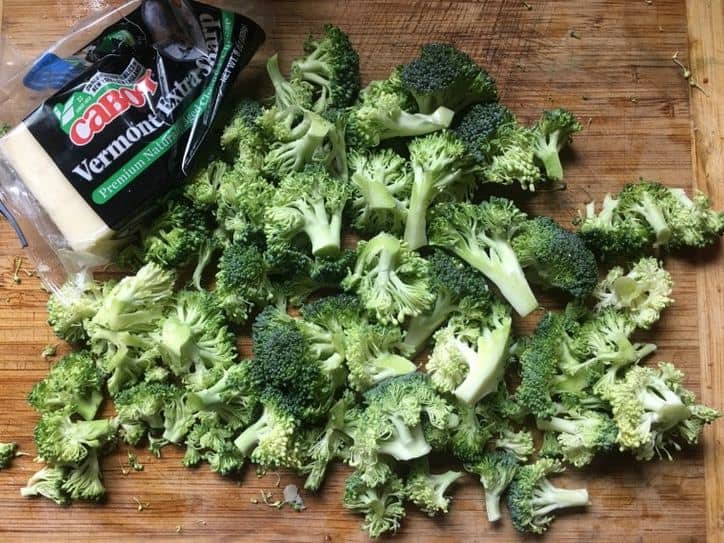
[249,438]
[557,424]
[405,444]
[492,504]
[424,190]
[666,405]
[324,232]
[548,498]
[390,365]
[375,193]
[501,266]
[485,366]
[421,327]
[655,217]
[547,152]
[417,124]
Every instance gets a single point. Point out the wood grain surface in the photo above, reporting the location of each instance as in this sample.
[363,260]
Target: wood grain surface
[610,63]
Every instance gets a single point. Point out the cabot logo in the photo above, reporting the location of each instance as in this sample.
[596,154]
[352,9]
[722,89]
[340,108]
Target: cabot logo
[113,103]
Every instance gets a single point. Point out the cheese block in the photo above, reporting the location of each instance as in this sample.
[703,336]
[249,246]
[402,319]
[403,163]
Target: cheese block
[83,229]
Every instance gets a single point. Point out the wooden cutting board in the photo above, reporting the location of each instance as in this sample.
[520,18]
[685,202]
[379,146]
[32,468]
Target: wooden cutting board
[609,62]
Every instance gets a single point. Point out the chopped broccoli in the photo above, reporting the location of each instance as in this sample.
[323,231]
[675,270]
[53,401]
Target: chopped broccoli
[468,439]
[311,203]
[62,440]
[496,471]
[299,146]
[71,305]
[202,187]
[457,287]
[381,504]
[442,169]
[553,132]
[445,76]
[653,411]
[427,490]
[581,435]
[83,480]
[331,66]
[391,280]
[385,111]
[532,498]
[8,451]
[243,138]
[519,444]
[479,125]
[555,257]
[139,410]
[469,359]
[382,181]
[641,294]
[74,384]
[48,482]
[481,235]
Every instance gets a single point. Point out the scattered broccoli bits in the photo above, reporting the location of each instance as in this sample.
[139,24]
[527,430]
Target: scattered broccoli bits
[345,227]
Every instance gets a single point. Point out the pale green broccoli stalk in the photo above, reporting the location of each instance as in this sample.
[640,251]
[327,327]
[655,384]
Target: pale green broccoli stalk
[385,111]
[391,280]
[445,76]
[69,307]
[469,359]
[331,66]
[381,504]
[308,203]
[74,384]
[442,169]
[653,411]
[458,288]
[48,482]
[84,480]
[8,451]
[496,471]
[383,181]
[532,498]
[428,490]
[481,235]
[370,356]
[120,330]
[581,434]
[641,294]
[193,337]
[62,440]
[553,132]
[291,98]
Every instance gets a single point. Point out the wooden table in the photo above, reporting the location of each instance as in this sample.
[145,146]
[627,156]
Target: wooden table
[608,61]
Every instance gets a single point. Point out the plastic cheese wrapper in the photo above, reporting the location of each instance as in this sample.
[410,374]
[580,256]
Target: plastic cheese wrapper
[129,113]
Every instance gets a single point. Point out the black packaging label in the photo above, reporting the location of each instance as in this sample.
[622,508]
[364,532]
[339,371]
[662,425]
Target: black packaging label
[129,126]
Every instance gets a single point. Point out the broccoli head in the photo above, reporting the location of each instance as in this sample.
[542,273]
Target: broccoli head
[428,490]
[71,305]
[553,132]
[478,127]
[381,504]
[496,471]
[61,440]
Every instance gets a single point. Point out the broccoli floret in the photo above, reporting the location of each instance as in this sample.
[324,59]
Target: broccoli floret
[120,330]
[385,112]
[442,169]
[496,471]
[468,439]
[381,504]
[327,443]
[479,125]
[445,76]
[555,257]
[329,271]
[511,157]
[469,359]
[391,280]
[653,411]
[243,138]
[481,235]
[457,288]
[383,181]
[519,444]
[8,451]
[139,409]
[331,66]
[648,215]
[210,440]
[308,203]
[300,146]
[641,294]
[193,337]
[242,281]
[202,187]
[175,236]
[48,482]
[532,498]
[553,132]
[290,98]
[74,384]
[71,305]
[581,435]
[427,490]
[244,196]
[62,440]
[370,356]
[83,480]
